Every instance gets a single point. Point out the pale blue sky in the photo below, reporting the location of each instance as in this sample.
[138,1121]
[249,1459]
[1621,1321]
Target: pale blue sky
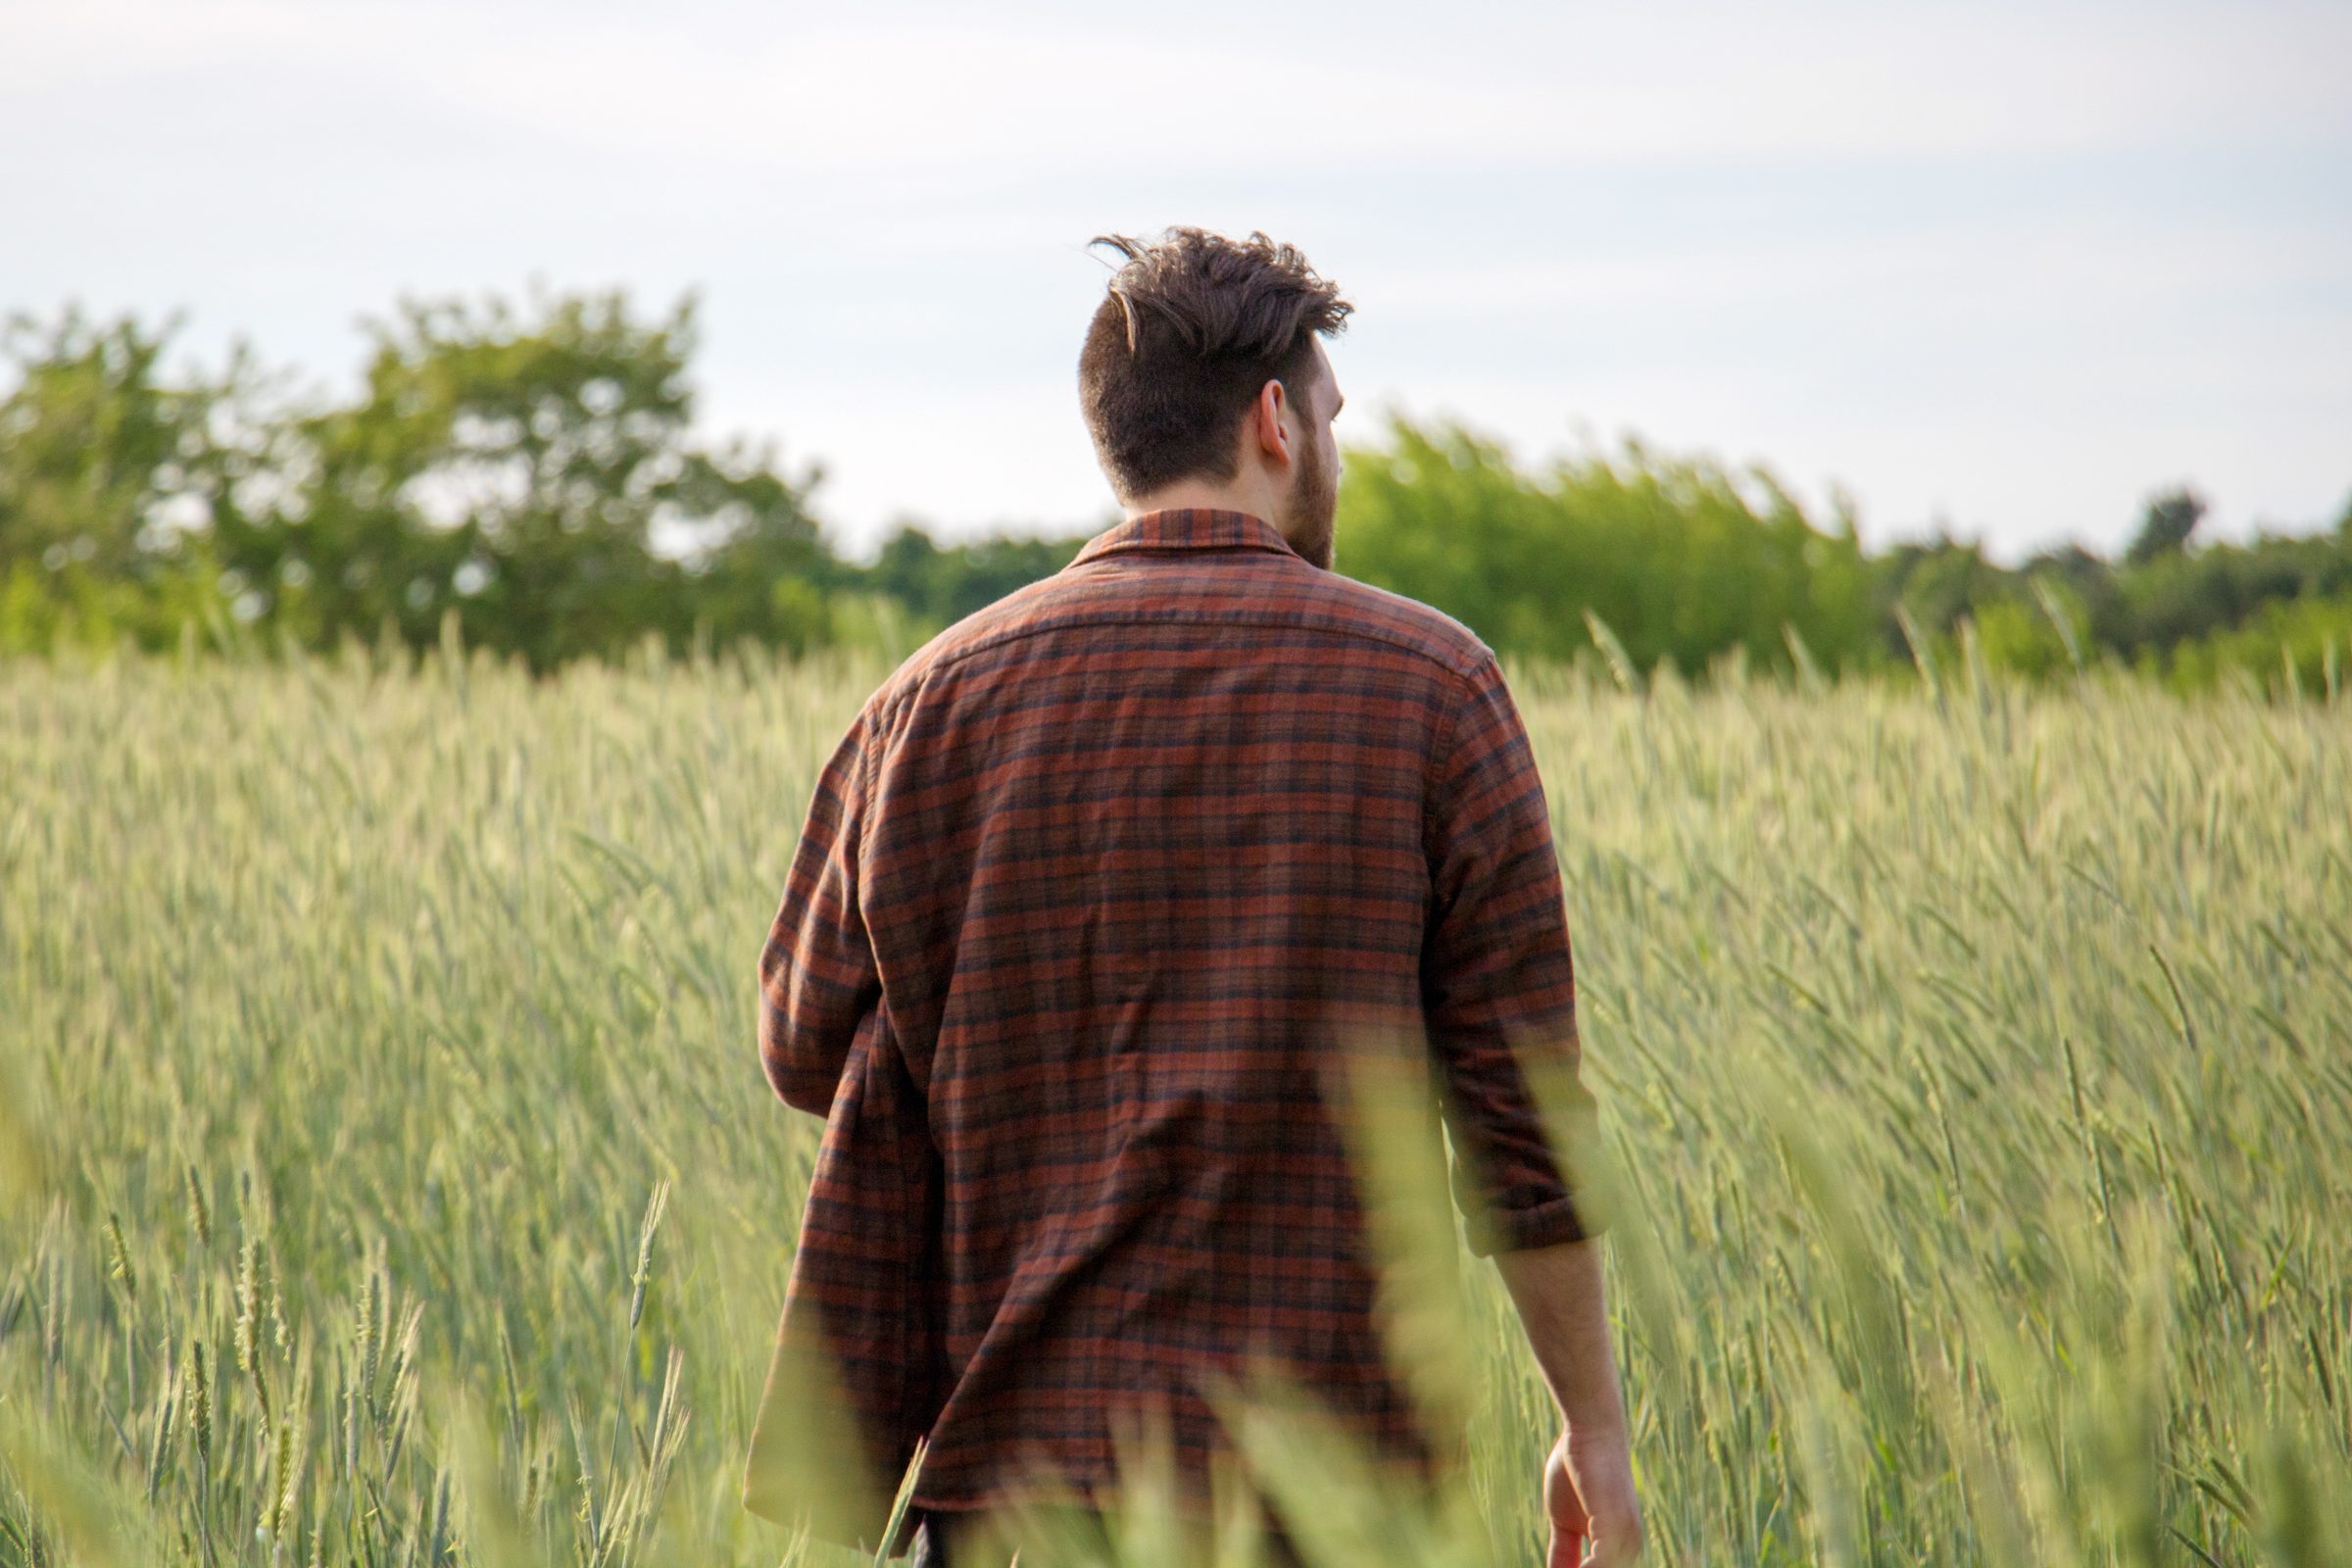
[2010,267]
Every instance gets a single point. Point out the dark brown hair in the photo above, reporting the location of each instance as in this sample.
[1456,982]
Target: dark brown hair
[1192,326]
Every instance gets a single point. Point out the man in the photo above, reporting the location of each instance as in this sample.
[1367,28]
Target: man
[1091,896]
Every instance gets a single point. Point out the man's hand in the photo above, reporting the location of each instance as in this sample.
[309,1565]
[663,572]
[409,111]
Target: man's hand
[1589,1496]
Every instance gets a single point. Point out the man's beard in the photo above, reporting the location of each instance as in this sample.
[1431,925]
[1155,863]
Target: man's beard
[1314,505]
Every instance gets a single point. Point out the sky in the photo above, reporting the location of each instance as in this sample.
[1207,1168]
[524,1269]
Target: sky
[2004,269]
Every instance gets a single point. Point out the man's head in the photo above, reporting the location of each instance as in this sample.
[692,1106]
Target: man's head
[1204,381]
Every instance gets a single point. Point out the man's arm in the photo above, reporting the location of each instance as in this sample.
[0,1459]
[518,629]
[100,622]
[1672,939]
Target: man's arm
[817,978]
[1498,982]
[1498,993]
[1589,1478]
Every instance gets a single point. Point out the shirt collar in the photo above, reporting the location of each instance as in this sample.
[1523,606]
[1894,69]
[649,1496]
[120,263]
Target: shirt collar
[1187,529]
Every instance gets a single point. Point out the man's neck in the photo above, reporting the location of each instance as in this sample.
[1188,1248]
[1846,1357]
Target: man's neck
[1194,495]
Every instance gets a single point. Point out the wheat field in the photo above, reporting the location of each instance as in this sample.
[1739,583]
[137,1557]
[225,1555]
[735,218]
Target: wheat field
[387,1177]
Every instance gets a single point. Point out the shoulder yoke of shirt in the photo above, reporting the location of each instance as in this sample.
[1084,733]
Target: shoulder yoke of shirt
[1195,563]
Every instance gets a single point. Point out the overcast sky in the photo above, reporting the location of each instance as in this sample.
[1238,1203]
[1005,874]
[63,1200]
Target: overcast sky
[2004,266]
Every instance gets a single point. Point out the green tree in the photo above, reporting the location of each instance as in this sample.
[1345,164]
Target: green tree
[532,473]
[2165,525]
[87,438]
[943,584]
[1682,561]
[110,470]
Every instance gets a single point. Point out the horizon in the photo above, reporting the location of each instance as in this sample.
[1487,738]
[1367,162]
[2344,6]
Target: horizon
[2006,271]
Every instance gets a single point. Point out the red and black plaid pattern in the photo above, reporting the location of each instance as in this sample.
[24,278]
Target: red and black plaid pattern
[1088,898]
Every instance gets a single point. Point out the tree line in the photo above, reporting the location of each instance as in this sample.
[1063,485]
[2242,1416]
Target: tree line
[528,478]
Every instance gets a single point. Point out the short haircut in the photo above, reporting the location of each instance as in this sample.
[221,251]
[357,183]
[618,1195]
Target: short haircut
[1193,325]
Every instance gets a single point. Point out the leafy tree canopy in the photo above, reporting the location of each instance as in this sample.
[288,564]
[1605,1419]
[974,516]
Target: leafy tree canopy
[529,476]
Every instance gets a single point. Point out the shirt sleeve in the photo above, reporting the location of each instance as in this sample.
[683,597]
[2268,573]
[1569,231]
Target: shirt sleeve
[817,976]
[1499,987]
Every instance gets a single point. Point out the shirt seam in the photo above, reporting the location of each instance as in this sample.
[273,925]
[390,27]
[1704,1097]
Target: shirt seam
[865,785]
[1440,749]
[1181,546]
[947,662]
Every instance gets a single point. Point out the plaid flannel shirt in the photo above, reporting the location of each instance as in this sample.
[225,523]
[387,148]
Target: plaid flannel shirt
[1088,895]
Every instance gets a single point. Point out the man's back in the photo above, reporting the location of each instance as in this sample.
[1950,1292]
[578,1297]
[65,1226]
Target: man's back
[1096,890]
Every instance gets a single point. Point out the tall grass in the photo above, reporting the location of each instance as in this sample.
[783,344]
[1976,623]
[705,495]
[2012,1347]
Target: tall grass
[387,1175]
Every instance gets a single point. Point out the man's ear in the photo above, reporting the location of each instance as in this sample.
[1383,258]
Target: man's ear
[1265,421]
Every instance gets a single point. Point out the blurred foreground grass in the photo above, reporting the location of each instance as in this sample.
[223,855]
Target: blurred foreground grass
[387,1175]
